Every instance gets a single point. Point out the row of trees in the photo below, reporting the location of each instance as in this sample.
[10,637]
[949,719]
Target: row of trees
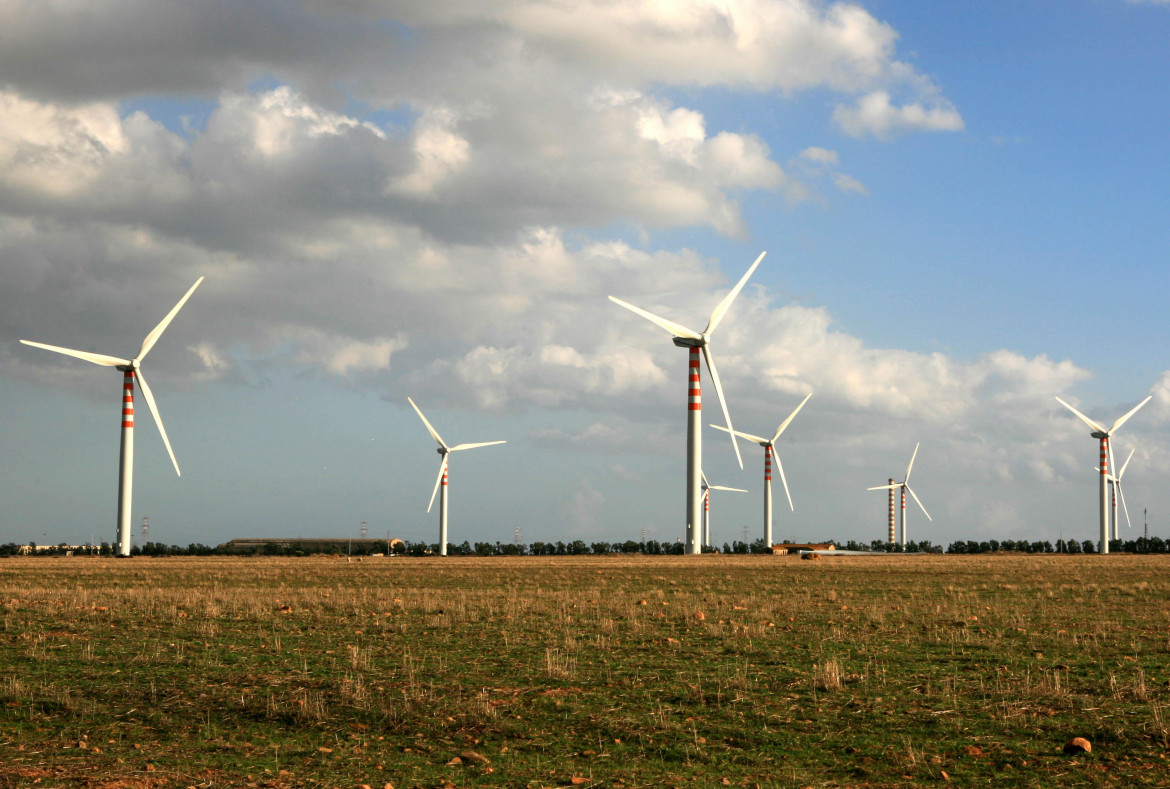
[1139,545]
[573,548]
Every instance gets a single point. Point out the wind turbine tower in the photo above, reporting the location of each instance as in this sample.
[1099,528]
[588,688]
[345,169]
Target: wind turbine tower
[441,480]
[1103,435]
[769,445]
[131,371]
[696,342]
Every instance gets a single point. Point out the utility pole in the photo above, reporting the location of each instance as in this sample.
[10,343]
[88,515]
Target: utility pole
[1146,522]
[387,542]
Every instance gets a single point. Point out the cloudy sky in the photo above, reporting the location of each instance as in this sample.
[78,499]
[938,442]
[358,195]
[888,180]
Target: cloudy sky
[963,204]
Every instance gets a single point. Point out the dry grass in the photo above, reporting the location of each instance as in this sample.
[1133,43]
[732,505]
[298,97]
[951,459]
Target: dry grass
[383,670]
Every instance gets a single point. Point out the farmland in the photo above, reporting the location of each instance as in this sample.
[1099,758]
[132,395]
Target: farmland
[591,671]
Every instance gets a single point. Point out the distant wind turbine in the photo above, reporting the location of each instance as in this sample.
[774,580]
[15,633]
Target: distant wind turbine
[131,369]
[769,450]
[441,480]
[905,486]
[1103,435]
[707,488]
[1115,485]
[696,342]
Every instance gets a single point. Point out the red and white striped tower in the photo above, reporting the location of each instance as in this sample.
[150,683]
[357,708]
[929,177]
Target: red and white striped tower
[903,516]
[126,462]
[694,452]
[893,527]
[706,517]
[768,542]
[1104,438]
[443,510]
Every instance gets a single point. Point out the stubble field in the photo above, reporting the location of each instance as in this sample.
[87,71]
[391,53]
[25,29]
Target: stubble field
[592,671]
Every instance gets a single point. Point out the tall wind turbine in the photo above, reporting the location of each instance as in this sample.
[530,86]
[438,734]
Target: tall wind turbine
[441,480]
[905,486]
[769,450]
[696,342]
[707,488]
[131,370]
[1103,435]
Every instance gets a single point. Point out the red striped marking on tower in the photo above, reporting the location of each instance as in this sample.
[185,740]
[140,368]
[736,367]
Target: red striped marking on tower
[445,467]
[695,401]
[767,464]
[893,532]
[128,399]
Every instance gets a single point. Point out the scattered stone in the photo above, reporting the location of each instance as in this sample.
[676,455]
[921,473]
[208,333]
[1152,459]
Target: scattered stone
[973,750]
[285,609]
[944,775]
[323,749]
[364,786]
[642,602]
[578,780]
[455,760]
[474,758]
[387,785]
[1078,745]
[700,616]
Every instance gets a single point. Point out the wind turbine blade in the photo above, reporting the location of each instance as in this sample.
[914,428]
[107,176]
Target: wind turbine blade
[434,433]
[780,468]
[458,447]
[1096,426]
[724,487]
[145,387]
[1121,495]
[703,476]
[1109,449]
[676,329]
[723,306]
[791,416]
[1125,465]
[722,402]
[152,338]
[907,478]
[96,358]
[915,495]
[885,487]
[1125,418]
[438,479]
[757,439]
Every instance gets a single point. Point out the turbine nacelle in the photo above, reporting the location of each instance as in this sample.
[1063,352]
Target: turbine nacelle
[690,342]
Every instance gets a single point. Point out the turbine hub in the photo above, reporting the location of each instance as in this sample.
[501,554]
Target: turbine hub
[442,450]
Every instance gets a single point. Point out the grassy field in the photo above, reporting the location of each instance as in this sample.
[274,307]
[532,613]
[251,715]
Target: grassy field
[591,671]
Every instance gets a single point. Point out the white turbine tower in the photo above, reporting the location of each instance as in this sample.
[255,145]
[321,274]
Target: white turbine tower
[1103,435]
[696,342]
[131,369]
[707,488]
[905,486]
[441,480]
[769,450]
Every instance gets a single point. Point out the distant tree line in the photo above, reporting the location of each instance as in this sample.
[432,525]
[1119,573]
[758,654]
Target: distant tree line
[573,548]
[1139,545]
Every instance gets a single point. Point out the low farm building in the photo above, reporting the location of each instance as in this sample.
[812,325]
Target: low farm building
[783,549]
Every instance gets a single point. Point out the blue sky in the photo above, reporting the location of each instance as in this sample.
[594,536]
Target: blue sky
[963,207]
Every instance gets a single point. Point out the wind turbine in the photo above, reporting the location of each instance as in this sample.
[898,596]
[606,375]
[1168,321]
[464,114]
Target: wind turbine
[1115,484]
[1103,435]
[131,369]
[441,480]
[905,486]
[769,449]
[707,488]
[695,342]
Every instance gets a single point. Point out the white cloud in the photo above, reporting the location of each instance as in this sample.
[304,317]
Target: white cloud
[56,150]
[874,114]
